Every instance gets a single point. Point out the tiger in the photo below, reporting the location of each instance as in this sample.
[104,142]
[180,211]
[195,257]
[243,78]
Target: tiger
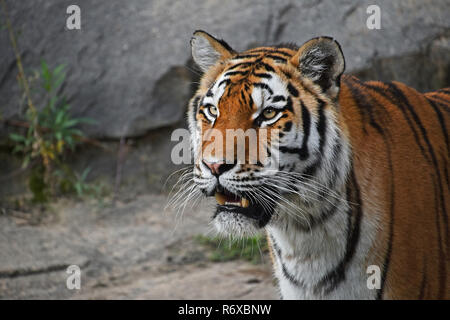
[356,207]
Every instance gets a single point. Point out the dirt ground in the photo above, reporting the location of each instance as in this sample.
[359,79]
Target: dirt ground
[131,249]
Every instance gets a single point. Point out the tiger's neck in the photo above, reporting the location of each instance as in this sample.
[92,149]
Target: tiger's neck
[316,252]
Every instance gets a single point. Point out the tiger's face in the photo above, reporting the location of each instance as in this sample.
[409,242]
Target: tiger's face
[274,104]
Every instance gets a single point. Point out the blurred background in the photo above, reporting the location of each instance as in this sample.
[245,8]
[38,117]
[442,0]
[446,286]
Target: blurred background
[85,134]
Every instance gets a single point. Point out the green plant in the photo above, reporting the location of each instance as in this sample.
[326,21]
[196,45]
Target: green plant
[249,249]
[83,189]
[71,181]
[80,185]
[57,129]
[50,132]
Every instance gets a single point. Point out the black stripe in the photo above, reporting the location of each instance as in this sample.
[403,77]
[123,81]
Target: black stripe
[259,50]
[278,98]
[444,159]
[266,66]
[424,281]
[442,272]
[246,56]
[288,105]
[250,101]
[237,65]
[325,214]
[306,117]
[275,57]
[441,122]
[292,90]
[443,106]
[244,99]
[209,93]
[287,74]
[290,277]
[446,90]
[262,75]
[286,273]
[335,276]
[395,101]
[203,113]
[226,81]
[311,170]
[387,257]
[270,51]
[366,106]
[442,101]
[404,105]
[303,150]
[404,100]
[207,105]
[287,126]
[275,246]
[286,54]
[195,105]
[322,126]
[232,73]
[263,86]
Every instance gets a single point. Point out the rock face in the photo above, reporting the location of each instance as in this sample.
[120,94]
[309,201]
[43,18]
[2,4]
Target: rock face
[130,66]
[127,66]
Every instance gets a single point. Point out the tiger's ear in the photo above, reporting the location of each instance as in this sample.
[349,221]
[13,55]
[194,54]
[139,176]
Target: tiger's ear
[207,50]
[321,60]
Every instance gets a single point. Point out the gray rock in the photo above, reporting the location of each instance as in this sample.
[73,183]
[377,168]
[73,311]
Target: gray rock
[126,66]
[133,250]
[19,258]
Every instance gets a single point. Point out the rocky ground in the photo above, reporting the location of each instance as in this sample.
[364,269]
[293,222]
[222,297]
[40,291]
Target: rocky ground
[132,249]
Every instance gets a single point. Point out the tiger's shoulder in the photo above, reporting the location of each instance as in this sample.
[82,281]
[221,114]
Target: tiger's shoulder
[399,139]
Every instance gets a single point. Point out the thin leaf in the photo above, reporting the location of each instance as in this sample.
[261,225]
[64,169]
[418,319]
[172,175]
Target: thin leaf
[17,137]
[70,123]
[75,132]
[26,161]
[85,173]
[59,117]
[58,69]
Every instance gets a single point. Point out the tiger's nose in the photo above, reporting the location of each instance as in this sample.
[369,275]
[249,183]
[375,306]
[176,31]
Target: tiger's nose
[217,168]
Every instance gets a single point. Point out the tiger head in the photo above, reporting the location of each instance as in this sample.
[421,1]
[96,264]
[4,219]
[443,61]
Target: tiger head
[284,96]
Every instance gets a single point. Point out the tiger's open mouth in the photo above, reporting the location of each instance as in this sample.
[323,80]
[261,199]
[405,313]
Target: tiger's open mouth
[228,202]
[229,199]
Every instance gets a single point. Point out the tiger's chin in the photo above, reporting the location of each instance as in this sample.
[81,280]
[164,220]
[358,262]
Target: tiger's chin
[238,216]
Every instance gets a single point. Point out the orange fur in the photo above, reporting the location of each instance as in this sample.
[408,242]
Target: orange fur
[407,187]
[400,153]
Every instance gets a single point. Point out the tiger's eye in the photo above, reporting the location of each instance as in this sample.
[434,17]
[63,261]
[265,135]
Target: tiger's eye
[213,110]
[269,113]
